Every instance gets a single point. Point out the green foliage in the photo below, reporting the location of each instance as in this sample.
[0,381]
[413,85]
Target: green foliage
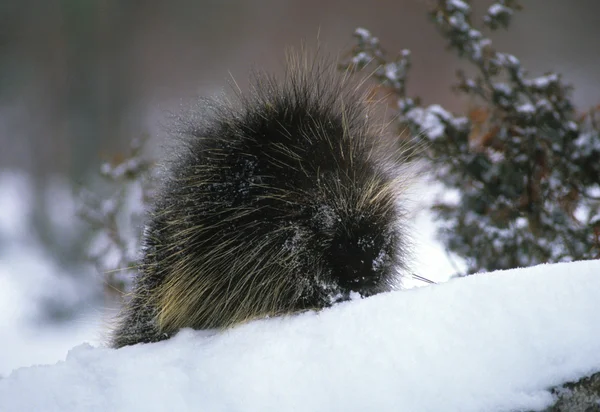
[527,167]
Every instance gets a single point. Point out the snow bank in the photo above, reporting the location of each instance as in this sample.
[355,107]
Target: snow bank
[491,342]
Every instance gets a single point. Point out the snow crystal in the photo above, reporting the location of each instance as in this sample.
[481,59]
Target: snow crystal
[405,104]
[572,126]
[526,108]
[459,5]
[521,223]
[508,60]
[460,123]
[430,119]
[496,157]
[361,58]
[326,217]
[582,213]
[544,105]
[440,112]
[543,81]
[366,36]
[379,261]
[497,9]
[503,88]
[454,21]
[593,191]
[475,34]
[362,32]
[392,72]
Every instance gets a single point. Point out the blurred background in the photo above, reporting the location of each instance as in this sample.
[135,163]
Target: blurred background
[80,78]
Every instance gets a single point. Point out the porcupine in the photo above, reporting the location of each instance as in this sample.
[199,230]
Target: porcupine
[284,200]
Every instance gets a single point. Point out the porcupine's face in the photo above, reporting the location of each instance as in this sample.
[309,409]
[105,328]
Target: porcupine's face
[360,257]
[357,240]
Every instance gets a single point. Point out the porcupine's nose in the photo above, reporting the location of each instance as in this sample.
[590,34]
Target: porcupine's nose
[354,259]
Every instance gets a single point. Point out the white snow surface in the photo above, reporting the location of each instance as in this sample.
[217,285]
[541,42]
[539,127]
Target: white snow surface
[489,342]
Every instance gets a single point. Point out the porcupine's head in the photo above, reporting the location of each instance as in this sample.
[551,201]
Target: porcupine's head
[283,201]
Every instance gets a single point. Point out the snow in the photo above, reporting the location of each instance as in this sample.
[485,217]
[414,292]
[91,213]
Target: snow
[362,32]
[431,260]
[503,88]
[526,108]
[432,120]
[543,82]
[365,36]
[459,5]
[497,9]
[487,342]
[392,71]
[26,276]
[429,120]
[30,276]
[362,58]
[508,60]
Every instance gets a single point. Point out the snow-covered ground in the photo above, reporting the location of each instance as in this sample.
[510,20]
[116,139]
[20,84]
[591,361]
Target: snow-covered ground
[491,342]
[488,342]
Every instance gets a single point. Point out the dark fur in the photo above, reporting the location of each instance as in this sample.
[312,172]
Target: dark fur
[281,202]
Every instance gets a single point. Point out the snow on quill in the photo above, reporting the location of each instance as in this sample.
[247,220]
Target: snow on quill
[490,342]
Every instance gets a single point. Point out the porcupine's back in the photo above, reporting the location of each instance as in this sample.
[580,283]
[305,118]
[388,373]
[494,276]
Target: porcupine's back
[283,201]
